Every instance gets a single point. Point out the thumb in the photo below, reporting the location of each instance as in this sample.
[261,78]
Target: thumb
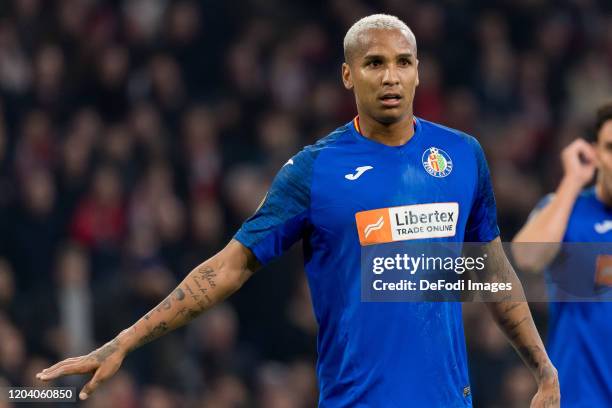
[91,386]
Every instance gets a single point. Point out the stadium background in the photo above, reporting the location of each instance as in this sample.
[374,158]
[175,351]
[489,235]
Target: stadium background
[136,135]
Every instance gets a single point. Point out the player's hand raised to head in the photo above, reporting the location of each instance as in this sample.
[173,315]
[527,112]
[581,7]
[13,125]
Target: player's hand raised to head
[103,363]
[579,162]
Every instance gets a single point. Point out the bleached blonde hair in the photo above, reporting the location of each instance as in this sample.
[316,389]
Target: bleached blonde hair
[374,22]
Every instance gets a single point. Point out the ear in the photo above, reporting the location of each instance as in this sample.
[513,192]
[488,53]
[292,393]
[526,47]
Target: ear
[417,73]
[347,79]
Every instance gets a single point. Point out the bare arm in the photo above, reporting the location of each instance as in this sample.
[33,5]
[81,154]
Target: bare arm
[206,285]
[549,224]
[512,315]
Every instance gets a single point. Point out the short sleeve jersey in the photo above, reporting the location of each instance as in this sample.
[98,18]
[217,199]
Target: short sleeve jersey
[580,333]
[378,354]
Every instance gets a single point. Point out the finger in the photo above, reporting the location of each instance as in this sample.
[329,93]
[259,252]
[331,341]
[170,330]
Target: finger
[588,153]
[577,146]
[583,145]
[91,386]
[59,364]
[580,142]
[77,367]
[580,154]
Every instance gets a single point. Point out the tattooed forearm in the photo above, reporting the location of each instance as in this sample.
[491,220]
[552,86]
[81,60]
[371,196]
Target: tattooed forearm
[202,288]
[203,274]
[208,274]
[154,333]
[186,314]
[514,318]
[183,315]
[165,304]
[179,294]
[103,352]
[507,308]
[511,319]
[512,327]
[180,313]
[512,315]
[529,354]
[193,295]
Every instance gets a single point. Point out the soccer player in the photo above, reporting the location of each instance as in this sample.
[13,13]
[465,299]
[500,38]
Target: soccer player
[580,333]
[334,195]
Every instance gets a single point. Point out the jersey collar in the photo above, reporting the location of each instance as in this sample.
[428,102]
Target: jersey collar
[357,130]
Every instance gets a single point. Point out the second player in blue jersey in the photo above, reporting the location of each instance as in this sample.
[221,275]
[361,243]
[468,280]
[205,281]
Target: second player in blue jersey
[580,333]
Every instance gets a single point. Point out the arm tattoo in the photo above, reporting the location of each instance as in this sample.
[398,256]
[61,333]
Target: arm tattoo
[511,307]
[187,314]
[529,355]
[513,316]
[166,304]
[180,313]
[511,327]
[103,352]
[155,332]
[193,295]
[179,294]
[207,273]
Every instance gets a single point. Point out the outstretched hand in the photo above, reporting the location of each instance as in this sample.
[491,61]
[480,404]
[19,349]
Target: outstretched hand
[103,363]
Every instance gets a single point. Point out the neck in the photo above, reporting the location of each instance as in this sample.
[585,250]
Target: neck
[602,193]
[393,134]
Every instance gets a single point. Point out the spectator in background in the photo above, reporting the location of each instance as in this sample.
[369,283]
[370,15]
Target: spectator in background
[34,228]
[201,152]
[99,220]
[12,351]
[36,147]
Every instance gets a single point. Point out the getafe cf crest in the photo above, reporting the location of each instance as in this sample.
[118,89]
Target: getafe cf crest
[437,162]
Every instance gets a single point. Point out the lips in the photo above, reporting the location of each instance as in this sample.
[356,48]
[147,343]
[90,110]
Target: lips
[390,99]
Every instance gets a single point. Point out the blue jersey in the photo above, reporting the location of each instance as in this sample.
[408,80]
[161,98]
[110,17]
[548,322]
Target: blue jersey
[580,334]
[378,354]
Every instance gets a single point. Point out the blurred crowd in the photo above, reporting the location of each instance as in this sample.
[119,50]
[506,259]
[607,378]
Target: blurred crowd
[137,135]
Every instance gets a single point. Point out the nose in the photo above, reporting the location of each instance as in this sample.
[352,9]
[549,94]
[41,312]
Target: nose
[391,77]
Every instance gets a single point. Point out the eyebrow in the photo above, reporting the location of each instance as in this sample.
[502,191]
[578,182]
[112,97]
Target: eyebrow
[368,57]
[405,55]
